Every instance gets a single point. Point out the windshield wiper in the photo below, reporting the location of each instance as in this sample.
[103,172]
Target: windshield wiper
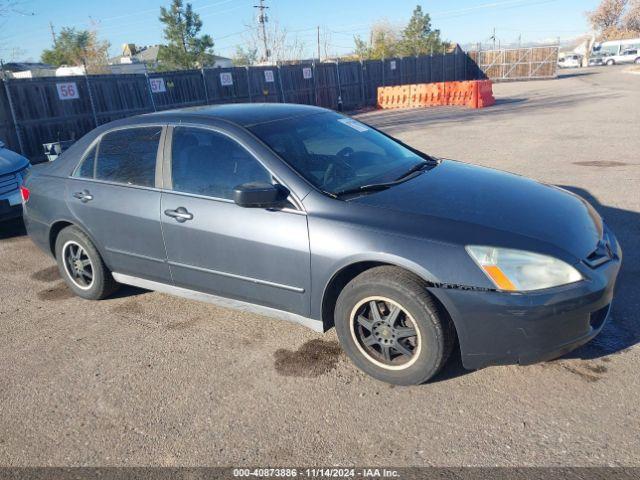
[418,167]
[374,187]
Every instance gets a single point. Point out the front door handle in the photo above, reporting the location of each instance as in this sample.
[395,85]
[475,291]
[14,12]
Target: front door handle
[180,214]
[84,196]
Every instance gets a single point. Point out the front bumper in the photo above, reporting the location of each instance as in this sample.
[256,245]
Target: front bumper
[498,328]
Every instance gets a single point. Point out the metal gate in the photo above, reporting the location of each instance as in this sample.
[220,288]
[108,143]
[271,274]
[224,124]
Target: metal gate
[518,63]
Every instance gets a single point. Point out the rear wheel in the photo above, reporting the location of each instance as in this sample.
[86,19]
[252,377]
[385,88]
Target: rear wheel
[392,328]
[610,62]
[81,266]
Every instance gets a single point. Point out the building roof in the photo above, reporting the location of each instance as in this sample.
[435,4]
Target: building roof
[147,54]
[25,66]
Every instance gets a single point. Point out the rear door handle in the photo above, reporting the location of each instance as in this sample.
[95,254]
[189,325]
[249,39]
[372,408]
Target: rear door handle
[180,214]
[84,196]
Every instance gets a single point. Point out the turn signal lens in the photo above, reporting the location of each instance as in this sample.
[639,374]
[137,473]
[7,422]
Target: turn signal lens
[499,278]
[24,191]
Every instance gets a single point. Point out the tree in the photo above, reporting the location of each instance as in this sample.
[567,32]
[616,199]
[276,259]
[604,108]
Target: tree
[282,47]
[245,57]
[607,15]
[383,42]
[418,38]
[616,19]
[77,47]
[185,49]
[632,18]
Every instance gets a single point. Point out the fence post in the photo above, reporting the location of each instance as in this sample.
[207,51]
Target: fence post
[431,66]
[339,87]
[248,69]
[455,64]
[153,101]
[314,72]
[13,116]
[204,82]
[362,94]
[284,99]
[93,106]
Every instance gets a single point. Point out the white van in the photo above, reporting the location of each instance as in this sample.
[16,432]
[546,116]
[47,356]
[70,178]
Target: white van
[619,51]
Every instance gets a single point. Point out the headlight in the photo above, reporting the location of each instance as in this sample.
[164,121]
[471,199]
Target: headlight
[517,270]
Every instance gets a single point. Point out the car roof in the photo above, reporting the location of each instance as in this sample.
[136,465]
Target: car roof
[244,114]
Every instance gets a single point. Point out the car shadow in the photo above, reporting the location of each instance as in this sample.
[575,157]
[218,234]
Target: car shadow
[12,228]
[622,331]
[576,73]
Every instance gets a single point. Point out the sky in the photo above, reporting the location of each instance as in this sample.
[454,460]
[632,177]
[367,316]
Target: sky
[26,31]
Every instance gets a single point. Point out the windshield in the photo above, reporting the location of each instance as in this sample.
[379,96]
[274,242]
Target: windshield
[337,153]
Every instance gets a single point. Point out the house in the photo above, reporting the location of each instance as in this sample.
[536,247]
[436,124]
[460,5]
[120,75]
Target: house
[136,59]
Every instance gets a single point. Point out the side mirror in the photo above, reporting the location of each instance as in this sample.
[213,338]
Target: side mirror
[260,195]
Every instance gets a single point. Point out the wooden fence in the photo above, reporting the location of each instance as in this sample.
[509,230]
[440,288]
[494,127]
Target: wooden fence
[42,110]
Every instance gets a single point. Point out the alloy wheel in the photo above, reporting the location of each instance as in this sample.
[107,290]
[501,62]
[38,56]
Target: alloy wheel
[78,265]
[385,333]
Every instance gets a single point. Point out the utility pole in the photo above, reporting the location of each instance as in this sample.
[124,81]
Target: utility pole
[318,43]
[53,33]
[494,38]
[262,20]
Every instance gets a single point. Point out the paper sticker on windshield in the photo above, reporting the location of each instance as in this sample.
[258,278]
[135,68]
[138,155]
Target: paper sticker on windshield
[353,124]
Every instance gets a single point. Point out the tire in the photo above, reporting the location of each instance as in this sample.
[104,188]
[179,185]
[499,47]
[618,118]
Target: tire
[386,290]
[74,243]
[637,61]
[610,63]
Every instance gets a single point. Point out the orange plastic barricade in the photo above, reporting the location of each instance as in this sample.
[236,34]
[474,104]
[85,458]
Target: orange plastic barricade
[472,94]
[485,94]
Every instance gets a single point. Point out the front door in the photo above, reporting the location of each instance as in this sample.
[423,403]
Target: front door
[214,246]
[113,195]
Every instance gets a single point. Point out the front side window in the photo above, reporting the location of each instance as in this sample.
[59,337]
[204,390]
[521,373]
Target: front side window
[128,156]
[207,163]
[336,153]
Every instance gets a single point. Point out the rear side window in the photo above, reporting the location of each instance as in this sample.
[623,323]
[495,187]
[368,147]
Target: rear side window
[85,170]
[128,156]
[207,163]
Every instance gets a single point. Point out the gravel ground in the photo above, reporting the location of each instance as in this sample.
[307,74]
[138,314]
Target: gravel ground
[148,379]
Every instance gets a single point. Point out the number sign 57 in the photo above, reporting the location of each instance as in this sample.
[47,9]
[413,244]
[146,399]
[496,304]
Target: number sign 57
[67,91]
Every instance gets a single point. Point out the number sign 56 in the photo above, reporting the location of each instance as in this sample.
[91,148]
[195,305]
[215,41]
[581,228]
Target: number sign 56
[67,91]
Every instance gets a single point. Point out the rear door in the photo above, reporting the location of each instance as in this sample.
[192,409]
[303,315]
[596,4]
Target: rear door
[213,245]
[114,195]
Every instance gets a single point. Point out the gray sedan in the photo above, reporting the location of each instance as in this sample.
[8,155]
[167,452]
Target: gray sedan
[307,215]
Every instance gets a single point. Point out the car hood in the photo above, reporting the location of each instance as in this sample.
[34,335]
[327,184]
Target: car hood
[489,200]
[11,162]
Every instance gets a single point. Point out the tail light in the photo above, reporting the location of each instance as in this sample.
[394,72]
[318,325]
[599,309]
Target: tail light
[24,191]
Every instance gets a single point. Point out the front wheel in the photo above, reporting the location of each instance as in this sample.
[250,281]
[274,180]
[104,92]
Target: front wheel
[610,63]
[637,61]
[392,328]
